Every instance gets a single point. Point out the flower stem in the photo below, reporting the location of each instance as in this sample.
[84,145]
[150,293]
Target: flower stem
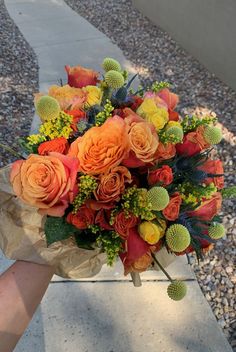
[161,267]
[12,151]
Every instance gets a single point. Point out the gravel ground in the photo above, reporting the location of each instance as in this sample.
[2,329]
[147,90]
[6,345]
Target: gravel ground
[156,56]
[18,82]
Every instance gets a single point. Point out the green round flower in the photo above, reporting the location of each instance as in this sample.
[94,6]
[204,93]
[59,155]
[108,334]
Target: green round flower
[47,108]
[110,64]
[176,132]
[178,238]
[114,79]
[213,135]
[177,290]
[216,231]
[158,197]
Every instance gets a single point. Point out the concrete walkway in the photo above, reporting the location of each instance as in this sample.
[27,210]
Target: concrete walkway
[105,314]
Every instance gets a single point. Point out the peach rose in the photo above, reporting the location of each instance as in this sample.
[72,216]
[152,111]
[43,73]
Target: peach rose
[143,141]
[46,182]
[82,219]
[59,145]
[101,148]
[171,212]
[165,151]
[139,265]
[79,76]
[214,167]
[112,184]
[123,223]
[171,99]
[163,175]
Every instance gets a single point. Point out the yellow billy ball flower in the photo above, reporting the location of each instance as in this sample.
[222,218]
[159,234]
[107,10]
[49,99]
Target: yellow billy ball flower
[177,290]
[173,123]
[213,135]
[149,110]
[111,64]
[216,231]
[47,108]
[149,232]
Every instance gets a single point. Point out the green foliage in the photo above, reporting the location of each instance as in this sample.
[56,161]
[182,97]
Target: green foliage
[193,194]
[191,123]
[229,192]
[111,244]
[57,229]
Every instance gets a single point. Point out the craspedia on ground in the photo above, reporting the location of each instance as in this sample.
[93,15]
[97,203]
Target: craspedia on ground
[111,64]
[177,290]
[177,238]
[47,108]
[216,231]
[114,79]
[158,197]
[213,135]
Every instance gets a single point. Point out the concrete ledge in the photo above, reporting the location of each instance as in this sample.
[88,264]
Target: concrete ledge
[207,29]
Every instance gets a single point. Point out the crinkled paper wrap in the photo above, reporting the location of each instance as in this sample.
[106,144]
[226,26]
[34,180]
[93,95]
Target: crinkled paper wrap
[22,238]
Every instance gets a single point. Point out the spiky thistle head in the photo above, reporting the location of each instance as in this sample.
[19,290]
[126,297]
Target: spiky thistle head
[47,108]
[177,290]
[114,79]
[158,197]
[178,238]
[176,133]
[111,64]
[216,231]
[212,135]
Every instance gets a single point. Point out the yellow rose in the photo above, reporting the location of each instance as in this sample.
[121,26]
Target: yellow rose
[149,232]
[94,95]
[158,116]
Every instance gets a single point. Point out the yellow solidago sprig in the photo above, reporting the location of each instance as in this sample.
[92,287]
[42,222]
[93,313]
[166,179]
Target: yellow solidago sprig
[135,201]
[58,127]
[157,86]
[111,243]
[35,139]
[102,116]
[191,123]
[194,194]
[87,185]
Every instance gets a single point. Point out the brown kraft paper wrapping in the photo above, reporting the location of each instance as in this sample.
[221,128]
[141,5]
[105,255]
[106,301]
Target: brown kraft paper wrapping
[22,238]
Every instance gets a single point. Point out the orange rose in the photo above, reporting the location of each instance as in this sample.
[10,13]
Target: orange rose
[112,184]
[79,76]
[171,212]
[82,219]
[101,148]
[59,145]
[143,141]
[164,176]
[123,223]
[165,151]
[214,167]
[45,182]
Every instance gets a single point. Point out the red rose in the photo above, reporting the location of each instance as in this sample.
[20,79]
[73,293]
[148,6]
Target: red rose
[213,167]
[123,223]
[171,212]
[103,218]
[137,101]
[59,145]
[165,151]
[79,76]
[209,208]
[193,143]
[137,255]
[82,219]
[164,176]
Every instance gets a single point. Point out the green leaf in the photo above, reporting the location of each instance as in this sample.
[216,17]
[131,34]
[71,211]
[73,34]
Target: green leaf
[85,239]
[57,229]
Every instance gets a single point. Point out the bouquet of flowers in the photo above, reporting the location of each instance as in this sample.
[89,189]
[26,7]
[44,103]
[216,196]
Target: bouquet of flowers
[121,171]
